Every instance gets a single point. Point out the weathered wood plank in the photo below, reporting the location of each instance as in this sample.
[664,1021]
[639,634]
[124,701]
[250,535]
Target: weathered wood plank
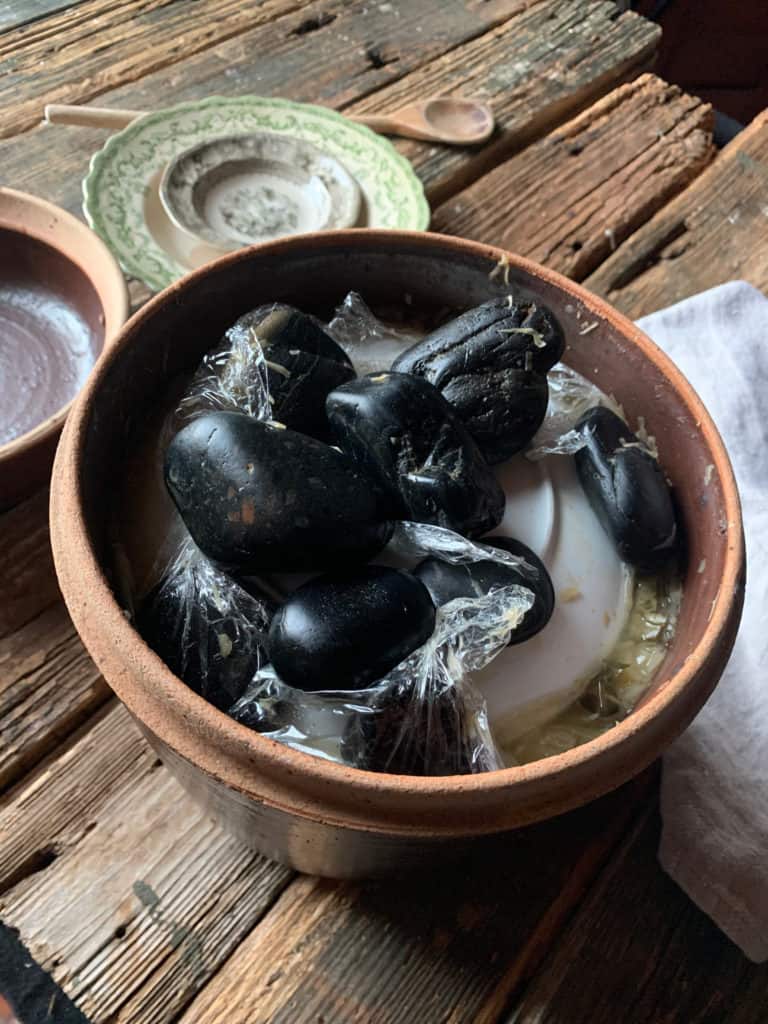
[99,44]
[571,198]
[536,70]
[640,952]
[14,13]
[449,946]
[716,231]
[52,809]
[48,686]
[119,885]
[26,564]
[589,50]
[336,47]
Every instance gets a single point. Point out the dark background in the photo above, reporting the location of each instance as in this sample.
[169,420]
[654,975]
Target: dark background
[717,49]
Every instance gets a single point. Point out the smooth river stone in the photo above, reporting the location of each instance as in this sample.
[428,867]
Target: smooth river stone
[404,434]
[258,496]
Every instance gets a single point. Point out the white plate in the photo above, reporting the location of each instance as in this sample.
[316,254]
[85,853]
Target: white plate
[121,191]
[246,189]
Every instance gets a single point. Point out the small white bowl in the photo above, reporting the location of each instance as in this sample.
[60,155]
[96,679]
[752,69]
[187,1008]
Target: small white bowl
[243,189]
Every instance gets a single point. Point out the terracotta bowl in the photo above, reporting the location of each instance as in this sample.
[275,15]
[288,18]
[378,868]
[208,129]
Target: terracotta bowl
[322,817]
[62,297]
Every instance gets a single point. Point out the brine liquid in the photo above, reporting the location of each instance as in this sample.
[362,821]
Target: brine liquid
[610,695]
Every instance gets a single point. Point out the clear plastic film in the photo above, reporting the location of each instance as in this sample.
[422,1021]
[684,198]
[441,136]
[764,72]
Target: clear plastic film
[369,342]
[232,378]
[422,540]
[207,627]
[424,717]
[570,396]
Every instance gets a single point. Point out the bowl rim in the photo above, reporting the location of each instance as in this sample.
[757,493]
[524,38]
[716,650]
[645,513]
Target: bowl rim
[304,785]
[86,248]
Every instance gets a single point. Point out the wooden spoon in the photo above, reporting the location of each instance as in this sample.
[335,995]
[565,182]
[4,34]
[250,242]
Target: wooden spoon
[449,119]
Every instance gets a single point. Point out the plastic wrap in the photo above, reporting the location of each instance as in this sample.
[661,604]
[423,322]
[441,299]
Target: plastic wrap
[424,717]
[570,396]
[208,628]
[232,378]
[370,343]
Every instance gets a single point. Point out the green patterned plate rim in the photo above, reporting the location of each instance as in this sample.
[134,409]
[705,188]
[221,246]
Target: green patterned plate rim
[121,172]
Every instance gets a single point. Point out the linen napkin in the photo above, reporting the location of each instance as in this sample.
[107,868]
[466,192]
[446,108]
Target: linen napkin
[714,793]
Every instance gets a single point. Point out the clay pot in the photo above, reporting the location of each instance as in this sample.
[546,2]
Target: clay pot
[322,817]
[62,289]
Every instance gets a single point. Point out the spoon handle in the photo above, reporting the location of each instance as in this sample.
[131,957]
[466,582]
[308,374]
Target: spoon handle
[90,117]
[394,126]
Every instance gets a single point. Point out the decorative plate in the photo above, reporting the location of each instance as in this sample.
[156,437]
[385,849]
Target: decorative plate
[121,191]
[245,189]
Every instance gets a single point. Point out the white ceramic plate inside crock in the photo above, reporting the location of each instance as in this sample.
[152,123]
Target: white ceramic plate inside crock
[121,191]
[247,189]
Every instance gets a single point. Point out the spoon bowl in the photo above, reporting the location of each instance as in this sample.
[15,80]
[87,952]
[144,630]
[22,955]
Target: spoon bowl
[455,117]
[449,119]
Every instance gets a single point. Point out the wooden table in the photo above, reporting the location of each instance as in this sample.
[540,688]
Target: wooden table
[139,907]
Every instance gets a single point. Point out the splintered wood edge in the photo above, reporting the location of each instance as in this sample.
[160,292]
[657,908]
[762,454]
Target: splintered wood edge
[704,237]
[571,198]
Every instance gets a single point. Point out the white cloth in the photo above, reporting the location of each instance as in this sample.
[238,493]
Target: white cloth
[714,794]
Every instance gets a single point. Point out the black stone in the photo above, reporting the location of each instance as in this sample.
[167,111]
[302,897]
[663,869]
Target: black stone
[405,435]
[215,652]
[303,365]
[256,496]
[344,631]
[627,490]
[447,582]
[490,363]
[501,409]
[405,732]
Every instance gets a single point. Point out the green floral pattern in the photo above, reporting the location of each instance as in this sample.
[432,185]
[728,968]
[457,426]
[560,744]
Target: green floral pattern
[120,173]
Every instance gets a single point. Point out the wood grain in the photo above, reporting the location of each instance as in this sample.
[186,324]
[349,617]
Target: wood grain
[531,84]
[332,45]
[26,564]
[48,686]
[448,946]
[52,809]
[568,200]
[640,952]
[92,46]
[716,231]
[535,70]
[119,885]
[14,13]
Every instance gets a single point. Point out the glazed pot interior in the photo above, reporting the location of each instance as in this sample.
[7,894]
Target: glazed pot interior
[52,323]
[425,278]
[62,297]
